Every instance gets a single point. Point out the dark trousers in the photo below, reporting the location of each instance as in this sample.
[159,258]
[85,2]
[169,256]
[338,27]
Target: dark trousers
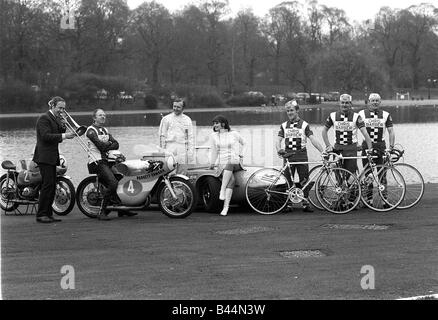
[379,160]
[378,146]
[303,175]
[48,188]
[106,175]
[348,164]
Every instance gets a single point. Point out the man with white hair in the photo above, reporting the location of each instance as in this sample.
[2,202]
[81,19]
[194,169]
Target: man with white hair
[345,123]
[295,132]
[376,121]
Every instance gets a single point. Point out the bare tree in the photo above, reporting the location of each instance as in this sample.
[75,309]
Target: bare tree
[153,23]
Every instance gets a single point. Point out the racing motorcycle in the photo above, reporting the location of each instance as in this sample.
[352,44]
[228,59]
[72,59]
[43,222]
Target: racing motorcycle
[22,187]
[142,181]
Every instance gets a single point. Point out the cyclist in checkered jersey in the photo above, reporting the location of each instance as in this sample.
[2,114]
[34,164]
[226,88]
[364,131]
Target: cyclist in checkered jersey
[345,123]
[376,121]
[295,133]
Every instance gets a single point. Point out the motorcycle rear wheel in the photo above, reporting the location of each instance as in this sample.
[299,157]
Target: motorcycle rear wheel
[185,202]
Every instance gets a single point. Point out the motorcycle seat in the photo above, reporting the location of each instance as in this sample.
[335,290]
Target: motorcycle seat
[8,165]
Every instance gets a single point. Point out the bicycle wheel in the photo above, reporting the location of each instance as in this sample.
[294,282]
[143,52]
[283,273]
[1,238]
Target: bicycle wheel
[267,191]
[414,185]
[312,190]
[338,190]
[386,191]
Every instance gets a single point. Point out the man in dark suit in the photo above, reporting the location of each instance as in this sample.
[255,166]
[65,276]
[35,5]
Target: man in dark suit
[50,130]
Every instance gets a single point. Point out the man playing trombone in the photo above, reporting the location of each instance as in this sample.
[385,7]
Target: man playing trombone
[51,130]
[99,143]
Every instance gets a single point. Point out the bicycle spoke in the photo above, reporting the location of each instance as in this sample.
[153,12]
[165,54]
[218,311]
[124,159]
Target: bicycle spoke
[414,185]
[338,190]
[267,191]
[384,190]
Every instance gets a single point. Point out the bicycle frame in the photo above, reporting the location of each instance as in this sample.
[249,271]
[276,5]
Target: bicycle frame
[293,191]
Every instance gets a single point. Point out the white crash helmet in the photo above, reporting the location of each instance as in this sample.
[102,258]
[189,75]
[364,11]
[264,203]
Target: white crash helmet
[115,156]
[62,168]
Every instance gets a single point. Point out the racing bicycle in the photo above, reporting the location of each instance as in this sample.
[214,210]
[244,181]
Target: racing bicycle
[268,190]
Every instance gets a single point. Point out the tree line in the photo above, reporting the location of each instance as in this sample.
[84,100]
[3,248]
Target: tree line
[202,49]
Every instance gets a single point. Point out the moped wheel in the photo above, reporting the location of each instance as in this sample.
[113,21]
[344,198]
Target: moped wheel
[185,201]
[267,191]
[64,201]
[8,192]
[89,196]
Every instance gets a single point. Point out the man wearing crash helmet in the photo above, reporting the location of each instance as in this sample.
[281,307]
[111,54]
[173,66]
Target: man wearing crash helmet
[345,123]
[295,133]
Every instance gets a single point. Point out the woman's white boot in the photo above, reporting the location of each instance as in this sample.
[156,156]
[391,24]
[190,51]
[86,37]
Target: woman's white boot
[222,193]
[228,195]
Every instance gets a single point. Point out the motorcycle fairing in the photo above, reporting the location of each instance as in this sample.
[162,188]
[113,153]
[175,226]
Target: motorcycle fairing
[133,192]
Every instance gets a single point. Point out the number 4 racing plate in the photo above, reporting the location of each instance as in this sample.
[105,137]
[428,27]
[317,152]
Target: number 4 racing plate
[132,188]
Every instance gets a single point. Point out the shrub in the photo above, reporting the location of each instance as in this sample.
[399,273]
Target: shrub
[17,96]
[150,102]
[208,100]
[246,100]
[81,86]
[199,96]
[84,86]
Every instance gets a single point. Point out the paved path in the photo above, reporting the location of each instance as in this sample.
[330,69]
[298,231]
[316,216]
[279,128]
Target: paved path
[207,256]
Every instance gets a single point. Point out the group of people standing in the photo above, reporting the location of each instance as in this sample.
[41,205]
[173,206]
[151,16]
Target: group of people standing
[372,123]
[226,146]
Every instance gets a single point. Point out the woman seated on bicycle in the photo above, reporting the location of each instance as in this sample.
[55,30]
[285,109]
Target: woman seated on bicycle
[226,150]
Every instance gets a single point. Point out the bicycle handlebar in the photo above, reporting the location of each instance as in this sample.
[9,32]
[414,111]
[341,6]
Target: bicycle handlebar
[397,154]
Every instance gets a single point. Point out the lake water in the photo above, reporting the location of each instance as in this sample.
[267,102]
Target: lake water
[418,139]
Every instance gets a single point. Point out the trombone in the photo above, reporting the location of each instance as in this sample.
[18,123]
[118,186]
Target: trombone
[78,130]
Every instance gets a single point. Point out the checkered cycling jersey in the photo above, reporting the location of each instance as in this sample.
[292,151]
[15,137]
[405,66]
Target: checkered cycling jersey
[345,126]
[375,123]
[295,134]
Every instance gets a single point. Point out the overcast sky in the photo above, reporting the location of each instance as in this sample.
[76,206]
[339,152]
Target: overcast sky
[355,9]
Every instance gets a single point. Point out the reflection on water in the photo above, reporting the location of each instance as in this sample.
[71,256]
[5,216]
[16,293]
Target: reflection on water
[417,139]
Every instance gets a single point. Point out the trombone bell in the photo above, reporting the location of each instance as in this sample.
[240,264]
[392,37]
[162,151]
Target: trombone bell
[81,130]
[72,125]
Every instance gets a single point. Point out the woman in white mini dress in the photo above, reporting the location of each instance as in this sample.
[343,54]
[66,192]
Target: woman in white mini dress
[226,151]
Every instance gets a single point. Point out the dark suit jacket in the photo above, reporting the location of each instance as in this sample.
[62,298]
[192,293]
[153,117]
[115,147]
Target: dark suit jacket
[49,135]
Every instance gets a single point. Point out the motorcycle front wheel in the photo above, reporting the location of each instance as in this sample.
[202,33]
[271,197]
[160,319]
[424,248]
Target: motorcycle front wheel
[64,200]
[89,196]
[185,201]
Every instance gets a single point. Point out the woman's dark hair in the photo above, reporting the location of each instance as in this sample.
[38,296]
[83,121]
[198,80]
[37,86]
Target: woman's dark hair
[52,103]
[221,119]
